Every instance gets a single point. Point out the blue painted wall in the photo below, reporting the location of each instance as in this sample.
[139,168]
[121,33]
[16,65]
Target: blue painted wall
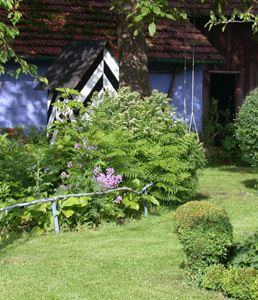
[20,104]
[162,83]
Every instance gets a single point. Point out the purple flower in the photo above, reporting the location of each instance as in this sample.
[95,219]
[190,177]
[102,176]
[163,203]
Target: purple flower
[93,147]
[65,174]
[64,187]
[69,164]
[85,142]
[61,188]
[118,199]
[96,170]
[108,180]
[79,165]
[46,169]
[110,171]
[77,146]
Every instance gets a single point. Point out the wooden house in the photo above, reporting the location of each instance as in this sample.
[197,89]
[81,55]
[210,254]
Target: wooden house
[45,38]
[233,80]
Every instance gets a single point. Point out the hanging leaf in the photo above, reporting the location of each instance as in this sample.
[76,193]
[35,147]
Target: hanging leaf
[134,205]
[151,199]
[138,18]
[84,201]
[26,215]
[131,204]
[18,72]
[68,213]
[71,201]
[157,10]
[40,207]
[145,11]
[170,17]
[152,28]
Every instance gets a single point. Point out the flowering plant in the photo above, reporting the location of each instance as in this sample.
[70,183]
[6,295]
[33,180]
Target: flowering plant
[108,180]
[142,139]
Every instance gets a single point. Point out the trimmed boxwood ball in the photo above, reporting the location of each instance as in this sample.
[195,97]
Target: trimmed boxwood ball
[205,231]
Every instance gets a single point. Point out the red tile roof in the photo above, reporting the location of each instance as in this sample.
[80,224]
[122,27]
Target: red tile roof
[47,26]
[175,40]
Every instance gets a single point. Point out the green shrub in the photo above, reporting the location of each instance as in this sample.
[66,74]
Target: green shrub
[247,127]
[241,283]
[205,231]
[137,138]
[212,278]
[23,179]
[33,171]
[245,252]
[143,141]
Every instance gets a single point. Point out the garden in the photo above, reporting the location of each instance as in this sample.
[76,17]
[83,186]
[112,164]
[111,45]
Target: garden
[198,241]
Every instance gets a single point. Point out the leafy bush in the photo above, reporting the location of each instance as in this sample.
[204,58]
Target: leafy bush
[142,140]
[86,169]
[32,171]
[212,277]
[23,178]
[246,251]
[138,139]
[247,132]
[205,231]
[241,283]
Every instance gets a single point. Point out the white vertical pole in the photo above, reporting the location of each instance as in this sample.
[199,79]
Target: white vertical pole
[145,205]
[55,216]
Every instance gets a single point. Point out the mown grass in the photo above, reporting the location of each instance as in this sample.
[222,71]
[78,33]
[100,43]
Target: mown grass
[139,260]
[233,188]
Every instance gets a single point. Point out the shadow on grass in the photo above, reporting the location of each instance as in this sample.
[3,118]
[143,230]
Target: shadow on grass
[11,239]
[250,183]
[201,196]
[237,169]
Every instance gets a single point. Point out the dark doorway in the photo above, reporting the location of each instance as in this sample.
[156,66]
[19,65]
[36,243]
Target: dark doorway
[222,87]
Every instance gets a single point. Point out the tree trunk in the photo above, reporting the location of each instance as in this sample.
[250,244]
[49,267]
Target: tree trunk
[133,61]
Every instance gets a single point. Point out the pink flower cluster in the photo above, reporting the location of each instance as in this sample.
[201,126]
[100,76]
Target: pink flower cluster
[118,199]
[108,180]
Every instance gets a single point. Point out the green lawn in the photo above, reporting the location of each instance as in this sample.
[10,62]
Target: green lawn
[139,260]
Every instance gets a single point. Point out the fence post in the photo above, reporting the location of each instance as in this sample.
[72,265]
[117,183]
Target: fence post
[55,216]
[145,205]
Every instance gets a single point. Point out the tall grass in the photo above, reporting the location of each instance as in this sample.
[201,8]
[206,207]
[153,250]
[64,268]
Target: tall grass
[139,260]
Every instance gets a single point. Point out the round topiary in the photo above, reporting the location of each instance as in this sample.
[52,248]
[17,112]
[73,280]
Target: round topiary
[205,231]
[247,127]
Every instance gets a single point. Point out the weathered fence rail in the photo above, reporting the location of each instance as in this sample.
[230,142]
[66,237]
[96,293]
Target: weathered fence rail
[54,199]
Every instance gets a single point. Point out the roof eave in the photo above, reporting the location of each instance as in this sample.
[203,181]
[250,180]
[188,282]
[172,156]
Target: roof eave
[182,61]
